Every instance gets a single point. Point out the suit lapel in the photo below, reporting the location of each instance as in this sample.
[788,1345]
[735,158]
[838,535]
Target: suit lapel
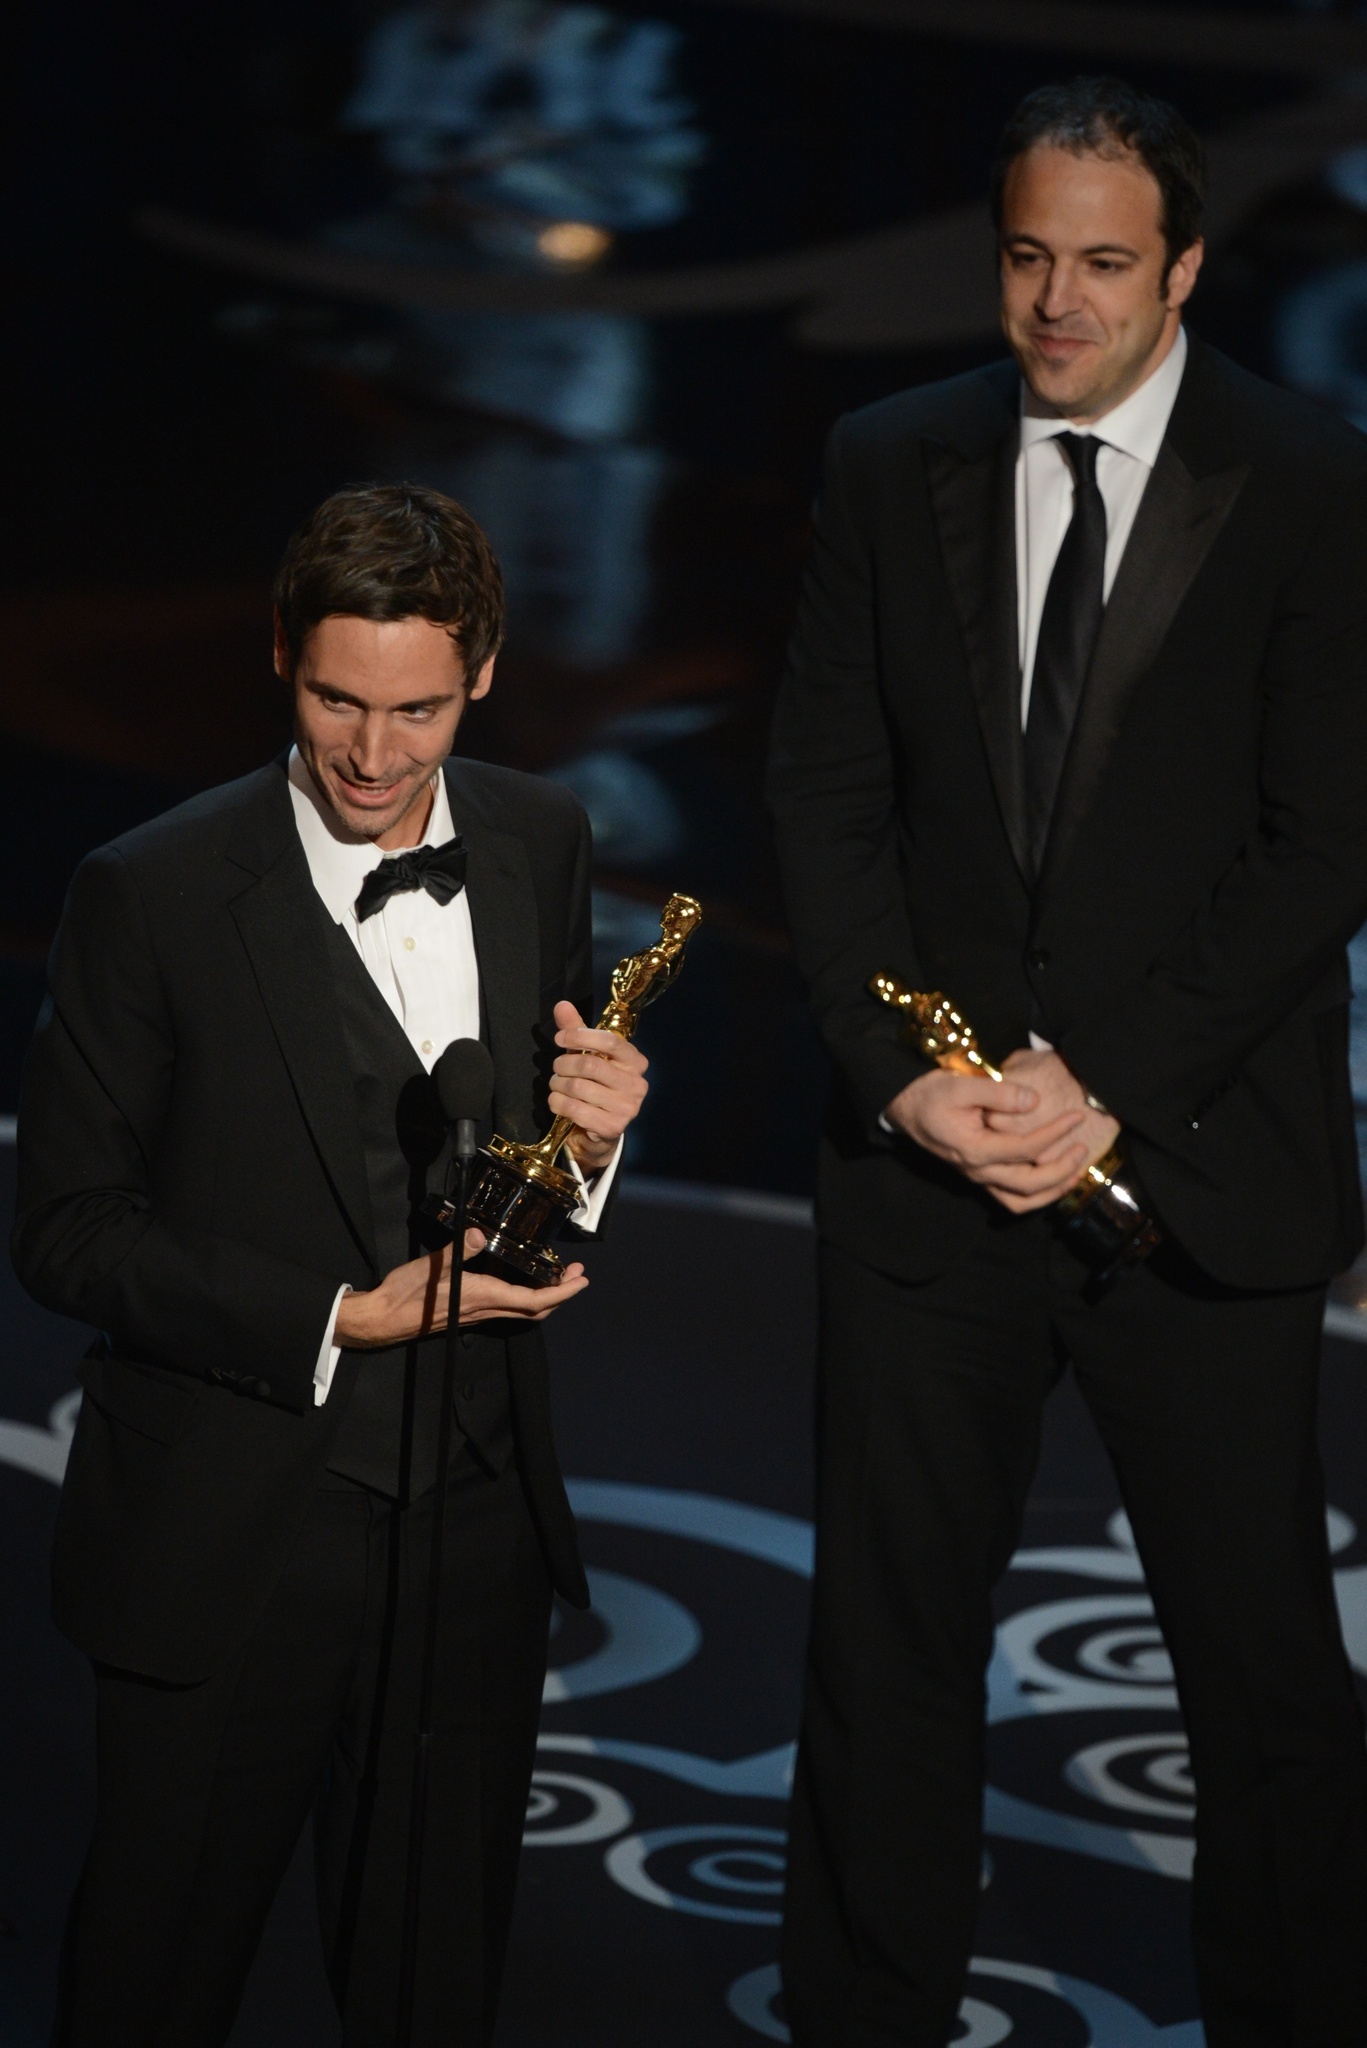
[1177,524]
[283,928]
[974,501]
[503,913]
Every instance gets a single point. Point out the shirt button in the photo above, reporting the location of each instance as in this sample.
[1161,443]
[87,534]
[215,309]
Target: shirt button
[427,1045]
[409,944]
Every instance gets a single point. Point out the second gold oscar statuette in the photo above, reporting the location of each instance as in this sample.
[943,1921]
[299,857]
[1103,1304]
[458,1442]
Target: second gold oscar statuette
[1105,1215]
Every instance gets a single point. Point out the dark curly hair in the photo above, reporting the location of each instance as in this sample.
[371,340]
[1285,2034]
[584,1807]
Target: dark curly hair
[393,551]
[1104,117]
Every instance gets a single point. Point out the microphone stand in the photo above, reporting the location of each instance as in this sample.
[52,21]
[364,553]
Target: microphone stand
[463,1134]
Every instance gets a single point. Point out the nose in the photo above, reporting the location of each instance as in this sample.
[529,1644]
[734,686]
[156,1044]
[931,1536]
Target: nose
[1058,295]
[366,753]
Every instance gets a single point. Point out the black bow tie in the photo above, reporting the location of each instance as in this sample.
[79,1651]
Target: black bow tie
[438,869]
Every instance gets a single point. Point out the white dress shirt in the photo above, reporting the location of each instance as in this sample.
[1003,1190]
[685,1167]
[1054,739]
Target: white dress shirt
[419,953]
[1131,436]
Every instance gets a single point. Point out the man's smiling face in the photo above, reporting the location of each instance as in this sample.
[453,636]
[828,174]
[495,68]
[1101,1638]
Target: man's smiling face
[376,707]
[1085,303]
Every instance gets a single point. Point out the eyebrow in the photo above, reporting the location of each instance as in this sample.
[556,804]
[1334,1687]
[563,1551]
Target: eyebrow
[321,688]
[1096,249]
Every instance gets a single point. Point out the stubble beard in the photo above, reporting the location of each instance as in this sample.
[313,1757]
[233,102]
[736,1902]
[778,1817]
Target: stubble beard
[367,825]
[1116,376]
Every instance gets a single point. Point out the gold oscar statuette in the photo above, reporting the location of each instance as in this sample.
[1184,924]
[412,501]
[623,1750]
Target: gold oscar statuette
[1105,1216]
[521,1197]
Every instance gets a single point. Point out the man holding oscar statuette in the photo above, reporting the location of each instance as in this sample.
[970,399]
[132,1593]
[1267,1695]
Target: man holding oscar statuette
[228,1129]
[1072,755]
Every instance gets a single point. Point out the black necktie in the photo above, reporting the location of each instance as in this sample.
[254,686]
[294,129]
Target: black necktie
[438,869]
[1067,634]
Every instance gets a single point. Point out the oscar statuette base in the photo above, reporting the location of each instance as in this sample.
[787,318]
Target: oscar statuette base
[519,1203]
[1104,1218]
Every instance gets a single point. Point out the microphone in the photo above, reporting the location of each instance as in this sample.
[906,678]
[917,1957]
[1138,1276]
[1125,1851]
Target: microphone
[464,1077]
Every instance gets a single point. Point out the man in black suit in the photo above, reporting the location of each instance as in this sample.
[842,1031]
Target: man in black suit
[1075,730]
[227,1125]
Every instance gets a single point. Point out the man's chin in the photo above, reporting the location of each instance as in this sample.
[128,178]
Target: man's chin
[1070,389]
[365,824]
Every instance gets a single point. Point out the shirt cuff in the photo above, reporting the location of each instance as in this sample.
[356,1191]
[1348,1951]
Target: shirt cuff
[884,1125]
[592,1199]
[329,1353]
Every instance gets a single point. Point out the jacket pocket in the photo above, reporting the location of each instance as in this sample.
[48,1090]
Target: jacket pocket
[146,1398]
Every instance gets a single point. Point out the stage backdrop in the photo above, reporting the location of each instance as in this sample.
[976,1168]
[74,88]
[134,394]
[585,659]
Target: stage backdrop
[607,274]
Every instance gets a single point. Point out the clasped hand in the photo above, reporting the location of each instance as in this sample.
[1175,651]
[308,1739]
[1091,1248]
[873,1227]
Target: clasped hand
[1026,1139]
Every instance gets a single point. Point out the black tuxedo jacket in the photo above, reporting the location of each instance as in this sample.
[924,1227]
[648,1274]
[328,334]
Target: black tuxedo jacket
[1184,943]
[192,1181]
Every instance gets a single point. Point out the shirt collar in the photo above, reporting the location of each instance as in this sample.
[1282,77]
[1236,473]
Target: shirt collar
[338,861]
[1136,426]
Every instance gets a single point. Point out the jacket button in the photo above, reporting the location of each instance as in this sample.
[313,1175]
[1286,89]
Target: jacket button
[467,1392]
[1039,957]
[467,1338]
[263,1388]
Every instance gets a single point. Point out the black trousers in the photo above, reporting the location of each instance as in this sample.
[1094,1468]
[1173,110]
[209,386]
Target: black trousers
[203,1790]
[929,1419]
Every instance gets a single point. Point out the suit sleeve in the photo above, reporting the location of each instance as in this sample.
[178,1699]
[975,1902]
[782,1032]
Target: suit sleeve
[832,792]
[1279,919]
[91,1239]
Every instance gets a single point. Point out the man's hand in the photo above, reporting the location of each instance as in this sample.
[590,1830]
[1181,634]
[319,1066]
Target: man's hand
[414,1300]
[599,1080]
[996,1133]
[1059,1090]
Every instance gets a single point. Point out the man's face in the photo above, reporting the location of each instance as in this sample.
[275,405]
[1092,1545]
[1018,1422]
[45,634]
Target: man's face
[1084,304]
[376,706]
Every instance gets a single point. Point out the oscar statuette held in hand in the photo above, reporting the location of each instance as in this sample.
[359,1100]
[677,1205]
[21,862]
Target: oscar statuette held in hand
[1105,1217]
[521,1197]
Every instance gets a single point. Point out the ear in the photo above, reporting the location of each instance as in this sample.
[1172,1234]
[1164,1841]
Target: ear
[1184,273]
[484,681]
[284,665]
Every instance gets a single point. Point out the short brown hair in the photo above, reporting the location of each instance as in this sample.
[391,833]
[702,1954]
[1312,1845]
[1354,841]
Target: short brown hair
[393,551]
[1103,117]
